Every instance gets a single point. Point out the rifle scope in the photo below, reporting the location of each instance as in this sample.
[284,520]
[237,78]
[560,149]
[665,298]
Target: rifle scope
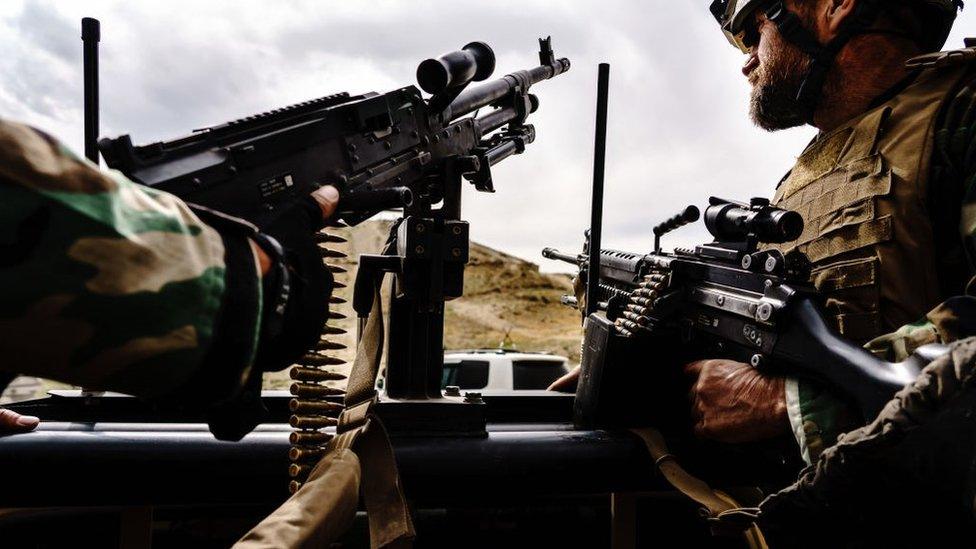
[456,69]
[734,222]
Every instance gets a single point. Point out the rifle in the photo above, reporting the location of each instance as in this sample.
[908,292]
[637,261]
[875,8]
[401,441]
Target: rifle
[727,299]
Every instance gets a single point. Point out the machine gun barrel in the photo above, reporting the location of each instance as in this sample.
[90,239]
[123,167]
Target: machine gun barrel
[552,253]
[483,95]
[496,119]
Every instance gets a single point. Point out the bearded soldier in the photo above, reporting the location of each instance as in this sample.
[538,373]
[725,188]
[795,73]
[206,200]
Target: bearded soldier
[886,193]
[882,188]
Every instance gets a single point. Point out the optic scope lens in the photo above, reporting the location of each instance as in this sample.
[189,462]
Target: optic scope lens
[733,223]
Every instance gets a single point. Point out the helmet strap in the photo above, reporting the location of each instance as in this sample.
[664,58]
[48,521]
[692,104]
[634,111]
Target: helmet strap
[822,56]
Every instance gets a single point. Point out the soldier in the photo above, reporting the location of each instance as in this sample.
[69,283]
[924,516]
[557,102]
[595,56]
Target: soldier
[882,189]
[885,190]
[115,286]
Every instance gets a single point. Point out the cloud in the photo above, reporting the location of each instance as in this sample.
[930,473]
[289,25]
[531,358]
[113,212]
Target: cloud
[678,114]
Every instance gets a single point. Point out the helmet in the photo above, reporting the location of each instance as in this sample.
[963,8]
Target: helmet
[733,15]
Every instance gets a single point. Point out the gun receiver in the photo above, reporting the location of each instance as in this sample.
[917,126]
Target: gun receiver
[381,150]
[730,299]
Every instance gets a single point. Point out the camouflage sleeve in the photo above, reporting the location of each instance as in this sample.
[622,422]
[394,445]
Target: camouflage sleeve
[816,415]
[109,284]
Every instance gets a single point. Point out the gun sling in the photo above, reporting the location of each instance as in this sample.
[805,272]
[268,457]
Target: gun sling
[716,503]
[358,462]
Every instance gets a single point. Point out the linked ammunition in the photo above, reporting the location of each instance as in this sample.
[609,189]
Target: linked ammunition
[314,407]
[316,359]
[307,390]
[316,422]
[326,345]
[299,453]
[308,438]
[302,373]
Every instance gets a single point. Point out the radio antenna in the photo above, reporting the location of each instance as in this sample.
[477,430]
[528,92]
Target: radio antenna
[596,212]
[90,36]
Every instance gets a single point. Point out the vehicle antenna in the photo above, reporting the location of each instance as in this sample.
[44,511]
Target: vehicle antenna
[90,36]
[596,214]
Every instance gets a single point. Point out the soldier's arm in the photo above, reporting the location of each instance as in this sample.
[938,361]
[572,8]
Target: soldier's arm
[112,285]
[817,417]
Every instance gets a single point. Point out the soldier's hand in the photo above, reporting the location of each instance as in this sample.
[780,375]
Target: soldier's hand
[12,422]
[567,383]
[732,402]
[327,198]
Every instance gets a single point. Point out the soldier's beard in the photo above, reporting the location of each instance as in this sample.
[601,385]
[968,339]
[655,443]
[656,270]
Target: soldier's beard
[775,85]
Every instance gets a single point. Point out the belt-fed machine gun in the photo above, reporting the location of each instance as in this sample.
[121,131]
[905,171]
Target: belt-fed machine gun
[727,299]
[391,150]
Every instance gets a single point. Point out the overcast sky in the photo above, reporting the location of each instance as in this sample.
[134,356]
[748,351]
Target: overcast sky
[679,130]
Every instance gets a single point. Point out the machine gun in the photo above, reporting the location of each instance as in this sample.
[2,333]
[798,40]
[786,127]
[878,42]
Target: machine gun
[727,299]
[381,151]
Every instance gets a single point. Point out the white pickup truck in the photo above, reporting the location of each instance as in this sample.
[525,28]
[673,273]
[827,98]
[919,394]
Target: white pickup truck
[488,370]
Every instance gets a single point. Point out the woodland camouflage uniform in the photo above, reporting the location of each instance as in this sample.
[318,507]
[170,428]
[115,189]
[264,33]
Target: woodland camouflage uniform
[116,286]
[111,285]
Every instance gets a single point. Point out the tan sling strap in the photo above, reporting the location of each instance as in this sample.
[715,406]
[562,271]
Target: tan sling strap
[716,503]
[359,460]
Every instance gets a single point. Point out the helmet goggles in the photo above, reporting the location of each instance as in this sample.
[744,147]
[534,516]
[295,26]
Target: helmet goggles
[736,17]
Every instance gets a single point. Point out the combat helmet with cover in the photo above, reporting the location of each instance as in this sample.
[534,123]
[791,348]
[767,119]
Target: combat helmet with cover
[736,20]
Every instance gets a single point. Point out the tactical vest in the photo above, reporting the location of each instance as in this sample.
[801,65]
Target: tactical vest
[861,190]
